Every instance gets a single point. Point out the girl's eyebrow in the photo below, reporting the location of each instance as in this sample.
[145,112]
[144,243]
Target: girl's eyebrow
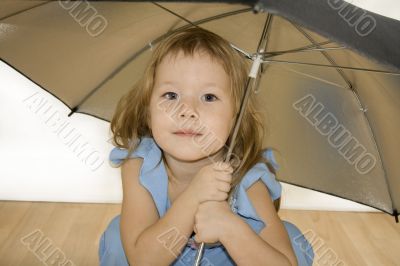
[167,83]
[211,84]
[162,84]
[205,85]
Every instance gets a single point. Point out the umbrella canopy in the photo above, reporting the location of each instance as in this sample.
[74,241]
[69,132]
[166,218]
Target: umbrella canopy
[333,128]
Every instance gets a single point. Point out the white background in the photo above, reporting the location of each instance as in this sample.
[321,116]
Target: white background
[388,8]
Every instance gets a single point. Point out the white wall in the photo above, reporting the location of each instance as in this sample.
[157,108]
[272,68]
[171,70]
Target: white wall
[388,8]
[39,162]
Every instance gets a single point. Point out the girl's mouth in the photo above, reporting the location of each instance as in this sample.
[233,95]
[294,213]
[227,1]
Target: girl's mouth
[187,133]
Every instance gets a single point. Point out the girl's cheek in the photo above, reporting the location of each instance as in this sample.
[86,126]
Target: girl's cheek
[158,112]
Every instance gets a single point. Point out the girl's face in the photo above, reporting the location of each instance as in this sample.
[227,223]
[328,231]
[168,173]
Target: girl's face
[191,110]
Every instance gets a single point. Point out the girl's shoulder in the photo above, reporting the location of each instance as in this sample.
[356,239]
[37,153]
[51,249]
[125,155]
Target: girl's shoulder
[145,148]
[242,203]
[261,171]
[152,175]
[269,155]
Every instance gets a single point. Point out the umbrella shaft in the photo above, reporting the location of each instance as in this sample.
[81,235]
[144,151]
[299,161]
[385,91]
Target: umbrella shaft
[252,75]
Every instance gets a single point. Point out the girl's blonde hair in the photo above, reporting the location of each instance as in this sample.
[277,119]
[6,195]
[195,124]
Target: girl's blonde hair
[130,121]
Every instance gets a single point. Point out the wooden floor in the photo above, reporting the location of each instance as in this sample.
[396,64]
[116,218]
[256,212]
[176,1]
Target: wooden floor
[73,230]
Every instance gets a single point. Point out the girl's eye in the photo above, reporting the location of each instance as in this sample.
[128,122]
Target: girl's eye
[170,95]
[210,97]
[173,96]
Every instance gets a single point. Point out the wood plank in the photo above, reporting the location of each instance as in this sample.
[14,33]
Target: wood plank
[74,230]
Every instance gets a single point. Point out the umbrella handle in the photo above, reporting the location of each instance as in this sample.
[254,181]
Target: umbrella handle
[200,250]
[199,254]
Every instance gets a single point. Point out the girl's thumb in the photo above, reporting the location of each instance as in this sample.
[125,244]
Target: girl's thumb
[222,166]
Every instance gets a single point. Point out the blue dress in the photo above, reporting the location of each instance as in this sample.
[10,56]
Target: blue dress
[154,178]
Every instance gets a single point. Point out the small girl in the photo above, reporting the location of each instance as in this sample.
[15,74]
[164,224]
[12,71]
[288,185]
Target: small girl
[172,132]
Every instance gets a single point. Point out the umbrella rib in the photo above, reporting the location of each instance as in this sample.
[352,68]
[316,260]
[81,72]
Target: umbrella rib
[324,49]
[248,55]
[195,23]
[327,56]
[331,66]
[314,77]
[299,49]
[148,46]
[26,9]
[277,53]
[176,14]
[261,48]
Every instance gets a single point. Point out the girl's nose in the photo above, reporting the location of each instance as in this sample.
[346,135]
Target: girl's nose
[188,110]
[188,113]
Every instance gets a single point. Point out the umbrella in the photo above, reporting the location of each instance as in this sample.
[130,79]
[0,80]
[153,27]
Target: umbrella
[328,79]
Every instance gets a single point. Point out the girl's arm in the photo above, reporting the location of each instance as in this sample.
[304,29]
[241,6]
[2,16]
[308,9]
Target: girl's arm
[271,247]
[148,239]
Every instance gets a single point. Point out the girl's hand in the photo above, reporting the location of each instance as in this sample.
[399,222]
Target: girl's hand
[212,182]
[210,221]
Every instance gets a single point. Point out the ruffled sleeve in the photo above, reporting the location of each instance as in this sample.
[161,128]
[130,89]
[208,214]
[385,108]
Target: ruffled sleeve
[152,173]
[117,155]
[242,203]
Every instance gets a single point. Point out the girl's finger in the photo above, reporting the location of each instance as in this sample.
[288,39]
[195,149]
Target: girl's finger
[225,187]
[225,178]
[221,166]
[222,196]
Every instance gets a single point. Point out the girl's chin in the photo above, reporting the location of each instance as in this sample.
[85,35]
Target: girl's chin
[186,155]
[188,150]
[189,156]
[193,156]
